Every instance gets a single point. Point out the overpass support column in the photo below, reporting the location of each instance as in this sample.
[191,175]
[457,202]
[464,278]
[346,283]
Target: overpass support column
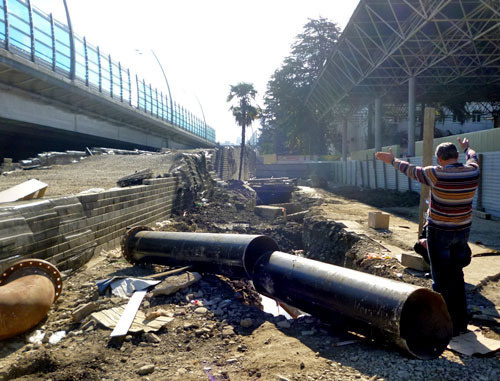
[411,116]
[378,124]
[344,140]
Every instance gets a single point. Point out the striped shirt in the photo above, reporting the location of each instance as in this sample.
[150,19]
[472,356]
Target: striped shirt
[452,190]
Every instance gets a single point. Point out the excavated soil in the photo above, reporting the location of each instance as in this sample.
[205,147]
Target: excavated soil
[218,329]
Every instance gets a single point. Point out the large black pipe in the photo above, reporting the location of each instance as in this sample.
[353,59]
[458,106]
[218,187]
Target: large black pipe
[227,254]
[415,318]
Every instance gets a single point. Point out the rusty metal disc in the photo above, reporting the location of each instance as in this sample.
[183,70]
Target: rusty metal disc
[30,267]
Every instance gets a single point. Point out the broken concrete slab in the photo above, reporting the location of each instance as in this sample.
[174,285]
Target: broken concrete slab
[297,217]
[175,283]
[268,211]
[83,311]
[24,191]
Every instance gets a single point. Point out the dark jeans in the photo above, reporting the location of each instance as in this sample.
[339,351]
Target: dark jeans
[449,253]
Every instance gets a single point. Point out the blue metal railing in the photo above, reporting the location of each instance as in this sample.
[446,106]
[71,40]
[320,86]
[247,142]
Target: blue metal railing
[35,35]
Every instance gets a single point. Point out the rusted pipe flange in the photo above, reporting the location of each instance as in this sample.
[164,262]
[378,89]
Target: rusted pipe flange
[129,233]
[33,267]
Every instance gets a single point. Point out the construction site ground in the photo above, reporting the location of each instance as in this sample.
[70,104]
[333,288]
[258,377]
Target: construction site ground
[218,330]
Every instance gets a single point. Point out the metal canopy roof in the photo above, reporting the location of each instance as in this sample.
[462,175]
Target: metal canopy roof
[452,47]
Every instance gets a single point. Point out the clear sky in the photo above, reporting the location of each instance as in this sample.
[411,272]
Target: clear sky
[203,46]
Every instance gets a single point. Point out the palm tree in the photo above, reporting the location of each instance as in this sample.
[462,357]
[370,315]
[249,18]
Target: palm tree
[243,111]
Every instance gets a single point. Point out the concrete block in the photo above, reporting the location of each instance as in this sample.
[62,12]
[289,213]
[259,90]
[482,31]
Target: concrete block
[414,261]
[269,211]
[290,207]
[378,220]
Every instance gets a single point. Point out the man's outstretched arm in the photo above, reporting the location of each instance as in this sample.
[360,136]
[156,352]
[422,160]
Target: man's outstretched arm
[422,175]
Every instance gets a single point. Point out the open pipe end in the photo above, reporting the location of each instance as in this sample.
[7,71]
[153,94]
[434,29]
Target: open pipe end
[255,250]
[33,267]
[125,243]
[425,324]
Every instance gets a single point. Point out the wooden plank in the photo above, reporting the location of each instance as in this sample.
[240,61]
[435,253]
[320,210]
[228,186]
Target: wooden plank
[428,147]
[375,171]
[24,191]
[479,200]
[128,316]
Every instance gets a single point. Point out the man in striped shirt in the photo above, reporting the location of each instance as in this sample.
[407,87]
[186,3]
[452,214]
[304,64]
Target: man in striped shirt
[448,222]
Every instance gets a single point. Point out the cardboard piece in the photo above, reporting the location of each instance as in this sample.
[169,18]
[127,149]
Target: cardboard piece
[24,191]
[473,343]
[109,318]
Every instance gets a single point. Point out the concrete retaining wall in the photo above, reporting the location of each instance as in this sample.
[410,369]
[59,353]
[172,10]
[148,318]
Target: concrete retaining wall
[68,231]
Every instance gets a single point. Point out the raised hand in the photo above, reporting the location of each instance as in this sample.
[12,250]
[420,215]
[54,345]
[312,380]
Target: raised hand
[463,143]
[386,157]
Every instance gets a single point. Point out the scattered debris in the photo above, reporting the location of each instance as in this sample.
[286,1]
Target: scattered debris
[57,337]
[83,311]
[125,287]
[175,283]
[37,337]
[129,313]
[110,317]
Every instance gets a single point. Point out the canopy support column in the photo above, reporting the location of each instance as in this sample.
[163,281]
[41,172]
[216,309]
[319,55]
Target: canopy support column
[378,124]
[411,116]
[344,140]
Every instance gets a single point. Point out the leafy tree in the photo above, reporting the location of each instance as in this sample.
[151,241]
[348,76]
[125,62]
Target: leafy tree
[244,111]
[288,125]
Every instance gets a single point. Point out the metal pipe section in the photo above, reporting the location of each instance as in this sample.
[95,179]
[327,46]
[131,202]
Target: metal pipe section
[227,254]
[27,291]
[415,318]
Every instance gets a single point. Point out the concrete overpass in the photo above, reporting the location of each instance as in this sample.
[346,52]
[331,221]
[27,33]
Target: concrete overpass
[56,87]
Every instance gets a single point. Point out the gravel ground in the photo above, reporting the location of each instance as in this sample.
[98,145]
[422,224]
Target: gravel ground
[98,171]
[216,342]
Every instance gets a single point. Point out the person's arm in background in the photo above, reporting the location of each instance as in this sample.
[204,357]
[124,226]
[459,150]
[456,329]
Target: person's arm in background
[470,154]
[423,175]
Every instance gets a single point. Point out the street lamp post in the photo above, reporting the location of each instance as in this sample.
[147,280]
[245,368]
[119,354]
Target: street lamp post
[71,43]
[204,120]
[168,88]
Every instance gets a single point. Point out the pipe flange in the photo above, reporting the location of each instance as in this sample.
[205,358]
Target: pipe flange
[32,267]
[129,233]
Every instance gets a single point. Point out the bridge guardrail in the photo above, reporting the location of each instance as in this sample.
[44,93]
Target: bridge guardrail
[31,33]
